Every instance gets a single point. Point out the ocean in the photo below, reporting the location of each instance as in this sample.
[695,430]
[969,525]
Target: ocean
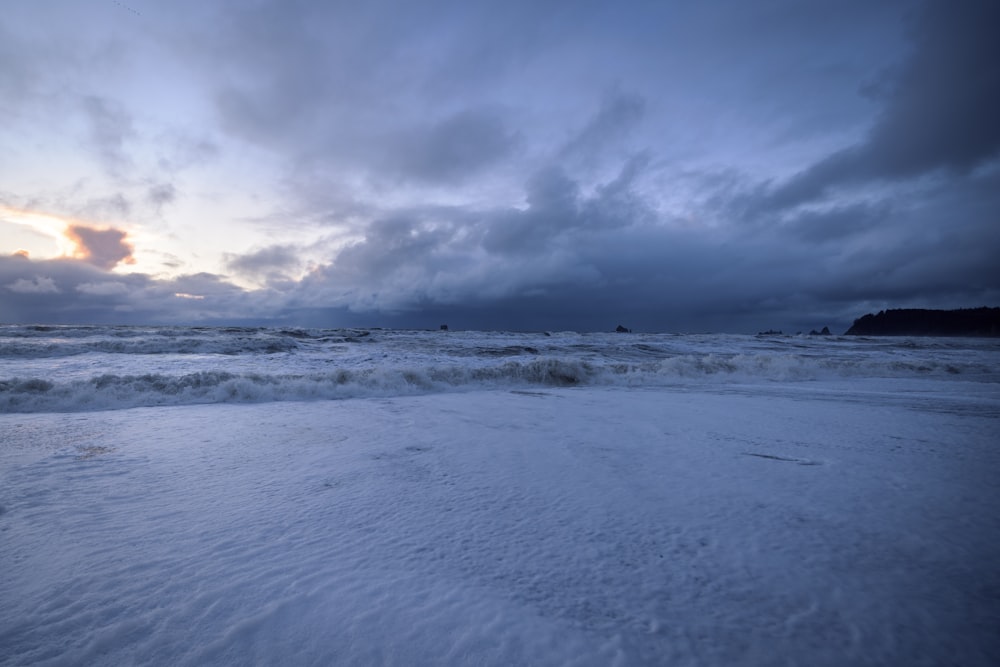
[205,495]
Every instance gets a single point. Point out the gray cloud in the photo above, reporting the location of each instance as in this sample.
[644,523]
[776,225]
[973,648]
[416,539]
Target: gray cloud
[73,291]
[60,301]
[939,108]
[591,258]
[273,264]
[516,165]
[105,288]
[455,256]
[111,127]
[181,149]
[556,209]
[552,199]
[104,248]
[943,108]
[114,206]
[36,285]
[453,149]
[277,54]
[838,223]
[619,113]
[161,194]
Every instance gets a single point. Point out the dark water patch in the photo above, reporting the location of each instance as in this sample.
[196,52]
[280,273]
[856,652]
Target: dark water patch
[506,351]
[28,386]
[773,457]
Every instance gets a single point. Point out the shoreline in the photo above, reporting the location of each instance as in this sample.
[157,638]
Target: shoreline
[564,526]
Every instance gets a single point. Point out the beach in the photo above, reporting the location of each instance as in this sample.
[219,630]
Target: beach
[776,523]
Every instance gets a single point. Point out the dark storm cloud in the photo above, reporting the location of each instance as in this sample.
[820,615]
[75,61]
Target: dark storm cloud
[939,110]
[409,257]
[529,165]
[73,291]
[458,255]
[650,278]
[557,209]
[584,259]
[58,297]
[943,108]
[552,208]
[934,246]
[837,224]
[944,241]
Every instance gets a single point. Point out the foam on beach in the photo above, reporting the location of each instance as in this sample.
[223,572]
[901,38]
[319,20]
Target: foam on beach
[580,526]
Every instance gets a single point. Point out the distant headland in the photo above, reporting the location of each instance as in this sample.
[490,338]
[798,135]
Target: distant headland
[919,322]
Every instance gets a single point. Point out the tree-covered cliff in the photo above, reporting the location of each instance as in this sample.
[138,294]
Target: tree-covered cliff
[920,322]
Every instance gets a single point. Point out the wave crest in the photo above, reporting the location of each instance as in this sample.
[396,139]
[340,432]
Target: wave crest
[111,391]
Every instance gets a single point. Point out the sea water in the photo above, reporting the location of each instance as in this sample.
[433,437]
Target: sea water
[84,368]
[174,495]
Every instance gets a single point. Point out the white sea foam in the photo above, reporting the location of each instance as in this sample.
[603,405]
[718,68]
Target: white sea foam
[100,368]
[828,523]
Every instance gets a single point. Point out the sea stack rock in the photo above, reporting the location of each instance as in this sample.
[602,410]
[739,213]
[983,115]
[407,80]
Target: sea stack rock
[621,329]
[444,327]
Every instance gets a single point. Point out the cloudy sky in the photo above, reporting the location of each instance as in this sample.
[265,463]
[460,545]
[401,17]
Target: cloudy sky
[680,165]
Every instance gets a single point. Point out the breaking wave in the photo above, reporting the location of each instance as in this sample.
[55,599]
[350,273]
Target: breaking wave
[46,342]
[115,391]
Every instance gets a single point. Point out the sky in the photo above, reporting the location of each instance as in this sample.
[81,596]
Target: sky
[681,165]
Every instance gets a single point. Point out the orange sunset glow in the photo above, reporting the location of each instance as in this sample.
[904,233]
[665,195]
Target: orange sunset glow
[104,247]
[50,226]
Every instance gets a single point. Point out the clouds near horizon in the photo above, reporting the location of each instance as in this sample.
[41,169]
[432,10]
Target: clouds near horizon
[684,165]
